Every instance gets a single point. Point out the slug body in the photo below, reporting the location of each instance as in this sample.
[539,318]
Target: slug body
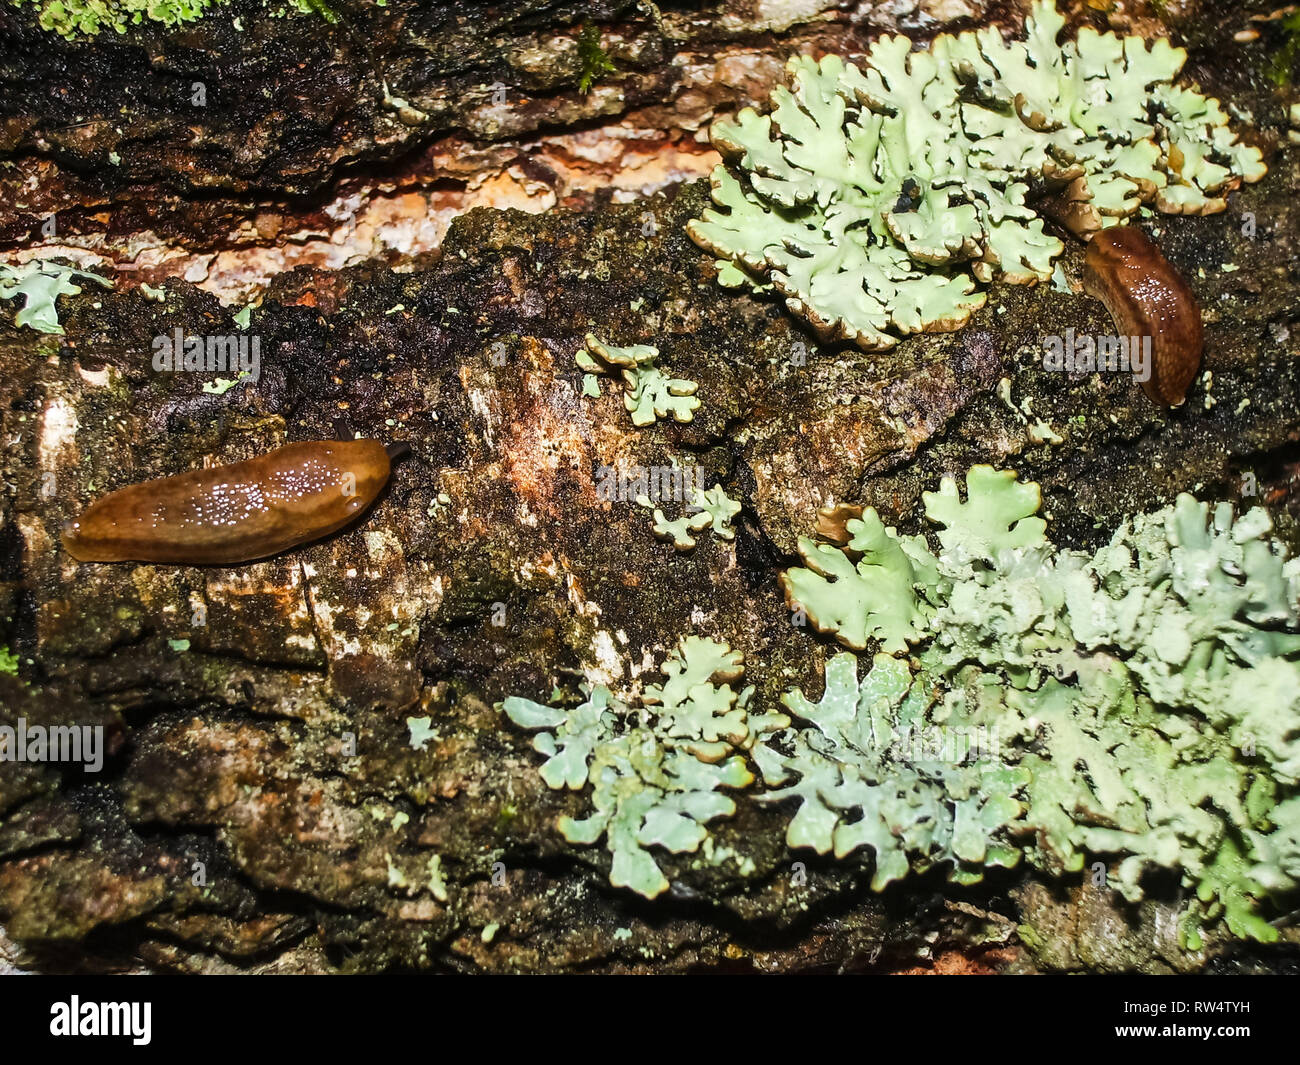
[236,513]
[1147,297]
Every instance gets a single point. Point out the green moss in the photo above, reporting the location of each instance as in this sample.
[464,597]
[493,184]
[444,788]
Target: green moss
[317,7]
[593,59]
[70,18]
[505,815]
[86,18]
[8,662]
[1281,66]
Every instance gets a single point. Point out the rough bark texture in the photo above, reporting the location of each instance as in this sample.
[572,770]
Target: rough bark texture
[230,739]
[290,104]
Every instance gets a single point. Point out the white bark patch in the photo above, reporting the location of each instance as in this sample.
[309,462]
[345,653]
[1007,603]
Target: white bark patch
[58,429]
[609,664]
[98,378]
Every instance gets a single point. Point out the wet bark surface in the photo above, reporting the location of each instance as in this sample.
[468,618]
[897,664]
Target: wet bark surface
[177,131]
[262,807]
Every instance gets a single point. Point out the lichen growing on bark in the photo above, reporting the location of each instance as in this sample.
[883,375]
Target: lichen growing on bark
[873,198]
[1110,685]
[656,771]
[233,743]
[648,392]
[40,283]
[73,18]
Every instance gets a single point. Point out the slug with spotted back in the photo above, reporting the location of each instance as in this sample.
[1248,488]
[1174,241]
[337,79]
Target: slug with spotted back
[1147,297]
[235,513]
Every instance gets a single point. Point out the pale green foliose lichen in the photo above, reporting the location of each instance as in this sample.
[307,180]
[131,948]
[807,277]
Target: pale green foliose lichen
[649,393]
[40,283]
[1142,703]
[421,732]
[874,198]
[711,509]
[679,530]
[864,777]
[654,771]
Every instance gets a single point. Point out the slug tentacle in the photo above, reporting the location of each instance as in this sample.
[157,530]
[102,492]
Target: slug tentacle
[1147,297]
[237,513]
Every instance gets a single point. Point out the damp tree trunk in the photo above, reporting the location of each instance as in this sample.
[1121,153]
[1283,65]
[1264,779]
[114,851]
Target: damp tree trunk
[261,806]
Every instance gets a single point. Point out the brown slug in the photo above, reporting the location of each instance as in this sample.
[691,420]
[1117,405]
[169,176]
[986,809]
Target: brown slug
[235,513]
[1147,297]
